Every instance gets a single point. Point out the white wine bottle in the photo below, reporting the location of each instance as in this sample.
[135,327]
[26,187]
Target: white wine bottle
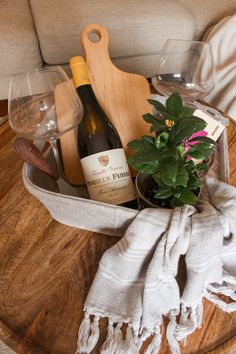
[103,160]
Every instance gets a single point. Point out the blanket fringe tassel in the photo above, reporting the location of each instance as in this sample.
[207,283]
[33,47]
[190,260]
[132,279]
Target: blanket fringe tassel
[88,334]
[155,344]
[132,345]
[115,344]
[190,319]
[170,331]
[108,345]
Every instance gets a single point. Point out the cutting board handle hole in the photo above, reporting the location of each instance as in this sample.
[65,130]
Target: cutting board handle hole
[94,36]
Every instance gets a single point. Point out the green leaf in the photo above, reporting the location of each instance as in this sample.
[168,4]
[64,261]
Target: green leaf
[157,177]
[158,106]
[174,103]
[170,150]
[142,145]
[163,192]
[182,176]
[169,170]
[190,165]
[169,116]
[149,167]
[196,154]
[177,194]
[149,139]
[136,145]
[159,128]
[185,112]
[200,151]
[149,118]
[188,197]
[173,172]
[183,129]
[204,139]
[201,166]
[144,157]
[161,140]
[194,182]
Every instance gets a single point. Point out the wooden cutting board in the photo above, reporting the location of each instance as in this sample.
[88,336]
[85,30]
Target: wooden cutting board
[122,95]
[68,141]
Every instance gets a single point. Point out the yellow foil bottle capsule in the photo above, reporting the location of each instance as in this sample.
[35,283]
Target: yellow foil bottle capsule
[79,71]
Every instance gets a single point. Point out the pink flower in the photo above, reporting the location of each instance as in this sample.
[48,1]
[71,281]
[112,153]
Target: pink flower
[189,144]
[200,133]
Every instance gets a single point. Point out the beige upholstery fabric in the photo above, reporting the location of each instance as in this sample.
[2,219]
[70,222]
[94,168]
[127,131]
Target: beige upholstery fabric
[142,64]
[18,41]
[209,12]
[4,86]
[136,28]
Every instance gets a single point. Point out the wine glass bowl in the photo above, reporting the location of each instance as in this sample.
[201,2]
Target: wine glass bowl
[43,105]
[186,67]
[27,118]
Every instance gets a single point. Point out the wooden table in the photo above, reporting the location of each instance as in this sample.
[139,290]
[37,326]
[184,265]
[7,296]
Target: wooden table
[47,268]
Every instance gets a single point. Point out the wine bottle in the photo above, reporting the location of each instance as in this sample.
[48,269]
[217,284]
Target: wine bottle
[103,160]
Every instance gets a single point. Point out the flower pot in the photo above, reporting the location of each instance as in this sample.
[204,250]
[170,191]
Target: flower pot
[144,183]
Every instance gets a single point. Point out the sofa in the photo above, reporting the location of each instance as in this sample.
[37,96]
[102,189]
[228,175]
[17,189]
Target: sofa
[35,33]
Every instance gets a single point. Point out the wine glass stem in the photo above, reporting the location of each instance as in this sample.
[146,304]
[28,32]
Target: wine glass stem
[57,157]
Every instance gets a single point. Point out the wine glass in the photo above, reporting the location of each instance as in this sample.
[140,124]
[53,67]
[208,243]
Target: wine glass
[186,67]
[43,105]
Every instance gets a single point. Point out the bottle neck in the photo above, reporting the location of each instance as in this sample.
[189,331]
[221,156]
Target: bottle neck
[82,82]
[87,96]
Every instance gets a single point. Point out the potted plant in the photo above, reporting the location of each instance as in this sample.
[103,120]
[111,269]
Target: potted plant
[168,158]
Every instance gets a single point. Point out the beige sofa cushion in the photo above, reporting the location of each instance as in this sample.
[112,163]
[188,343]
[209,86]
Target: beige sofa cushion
[143,65]
[18,41]
[136,28]
[209,12]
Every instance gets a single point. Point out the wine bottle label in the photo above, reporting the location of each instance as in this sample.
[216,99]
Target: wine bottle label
[108,177]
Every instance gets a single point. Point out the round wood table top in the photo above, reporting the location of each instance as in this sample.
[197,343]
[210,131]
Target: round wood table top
[47,268]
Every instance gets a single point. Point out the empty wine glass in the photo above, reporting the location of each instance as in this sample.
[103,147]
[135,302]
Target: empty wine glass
[186,67]
[43,105]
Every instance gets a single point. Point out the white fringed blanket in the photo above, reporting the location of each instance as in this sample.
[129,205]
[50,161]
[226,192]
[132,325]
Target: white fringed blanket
[135,283]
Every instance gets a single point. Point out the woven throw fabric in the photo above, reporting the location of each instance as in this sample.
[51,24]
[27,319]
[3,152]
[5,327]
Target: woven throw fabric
[135,282]
[135,285]
[222,39]
[4,349]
